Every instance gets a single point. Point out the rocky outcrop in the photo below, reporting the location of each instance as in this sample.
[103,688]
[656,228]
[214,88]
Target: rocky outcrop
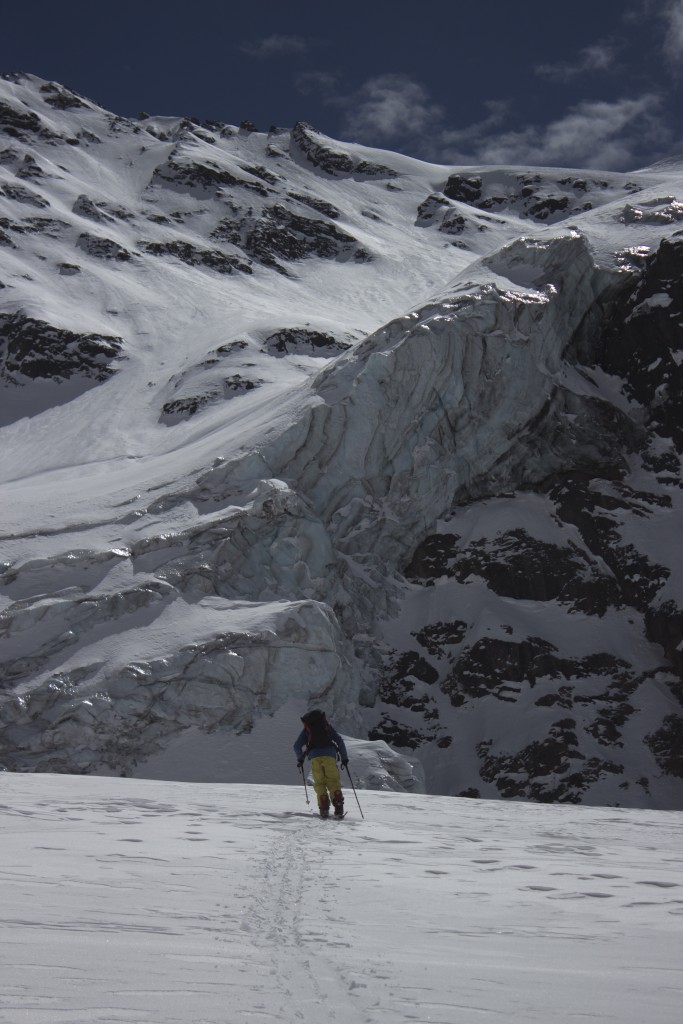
[536,196]
[644,343]
[280,234]
[319,205]
[60,98]
[103,248]
[34,350]
[320,151]
[201,179]
[194,256]
[23,195]
[303,341]
[23,124]
[517,565]
[224,374]
[86,207]
[178,409]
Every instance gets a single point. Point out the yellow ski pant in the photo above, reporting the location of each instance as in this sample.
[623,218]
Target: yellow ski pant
[325,776]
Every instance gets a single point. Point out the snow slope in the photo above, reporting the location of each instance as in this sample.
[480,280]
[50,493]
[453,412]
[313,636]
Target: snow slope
[134,901]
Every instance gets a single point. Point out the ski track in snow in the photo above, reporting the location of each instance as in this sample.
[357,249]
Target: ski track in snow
[162,903]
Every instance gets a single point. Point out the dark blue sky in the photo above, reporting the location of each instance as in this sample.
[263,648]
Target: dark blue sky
[582,83]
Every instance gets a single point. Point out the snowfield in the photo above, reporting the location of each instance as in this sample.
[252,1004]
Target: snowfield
[147,902]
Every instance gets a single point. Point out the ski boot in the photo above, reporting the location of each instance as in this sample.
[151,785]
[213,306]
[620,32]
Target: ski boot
[338,801]
[324,806]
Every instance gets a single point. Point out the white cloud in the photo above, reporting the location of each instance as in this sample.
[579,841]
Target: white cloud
[595,58]
[388,108]
[600,134]
[275,46]
[396,111]
[673,41]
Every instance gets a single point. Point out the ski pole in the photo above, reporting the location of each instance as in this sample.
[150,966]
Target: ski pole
[354,792]
[303,776]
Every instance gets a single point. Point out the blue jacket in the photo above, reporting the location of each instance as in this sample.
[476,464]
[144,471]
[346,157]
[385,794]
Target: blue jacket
[327,751]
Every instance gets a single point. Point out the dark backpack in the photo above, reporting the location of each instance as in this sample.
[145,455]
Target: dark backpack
[318,731]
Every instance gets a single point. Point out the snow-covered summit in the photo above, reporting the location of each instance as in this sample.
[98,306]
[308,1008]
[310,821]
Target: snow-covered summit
[289,419]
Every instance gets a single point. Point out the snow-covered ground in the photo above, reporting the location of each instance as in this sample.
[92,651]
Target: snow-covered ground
[148,902]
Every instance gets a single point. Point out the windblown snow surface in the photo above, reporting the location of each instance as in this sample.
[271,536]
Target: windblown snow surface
[127,901]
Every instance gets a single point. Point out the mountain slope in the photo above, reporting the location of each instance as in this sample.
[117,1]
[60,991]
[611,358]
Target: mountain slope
[286,419]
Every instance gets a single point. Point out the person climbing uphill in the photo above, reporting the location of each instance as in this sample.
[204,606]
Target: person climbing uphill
[320,742]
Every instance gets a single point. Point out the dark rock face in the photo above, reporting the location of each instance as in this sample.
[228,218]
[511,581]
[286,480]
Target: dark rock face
[526,773]
[334,163]
[368,169]
[517,565]
[320,205]
[431,207]
[496,667]
[436,209]
[103,248]
[262,172]
[49,226]
[32,349]
[431,559]
[667,745]
[221,376]
[21,124]
[532,195]
[544,724]
[201,178]
[405,685]
[322,158]
[179,409]
[85,207]
[464,190]
[301,341]
[30,169]
[591,509]
[645,343]
[664,626]
[60,98]
[453,223]
[23,195]
[281,234]
[193,256]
